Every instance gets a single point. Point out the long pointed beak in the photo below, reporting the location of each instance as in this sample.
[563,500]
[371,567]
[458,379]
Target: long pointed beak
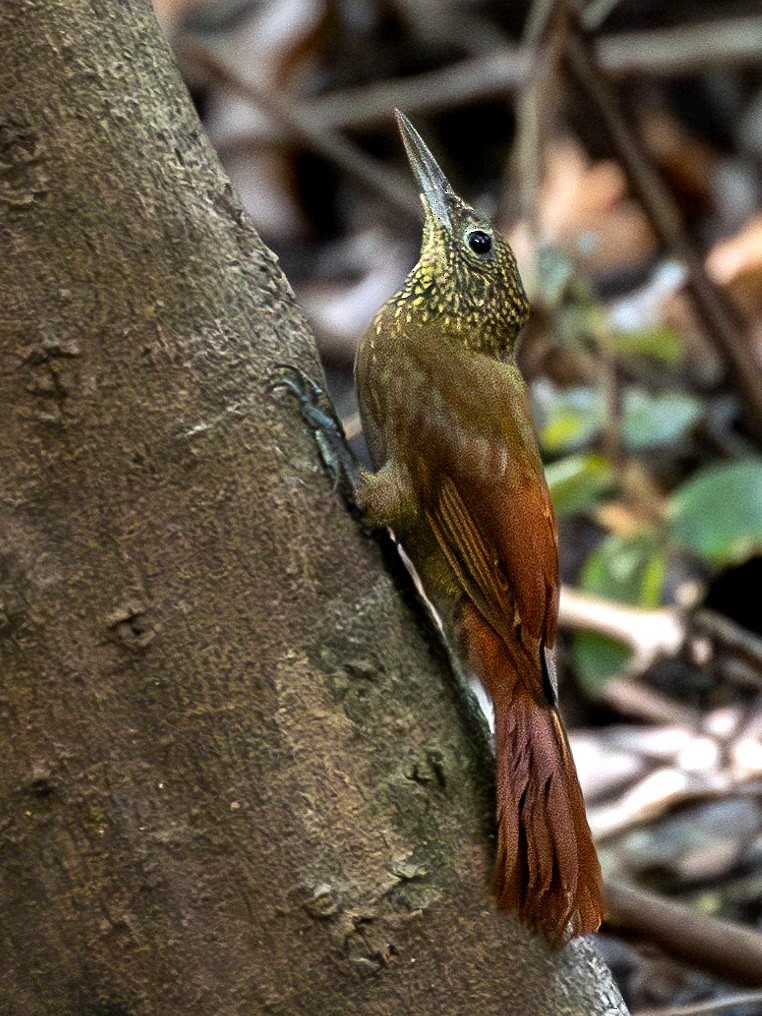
[434,185]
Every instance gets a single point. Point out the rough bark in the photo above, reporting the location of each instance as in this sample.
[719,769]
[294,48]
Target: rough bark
[234,776]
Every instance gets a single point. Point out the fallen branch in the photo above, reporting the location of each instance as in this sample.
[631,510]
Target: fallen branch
[726,950]
[650,634]
[663,633]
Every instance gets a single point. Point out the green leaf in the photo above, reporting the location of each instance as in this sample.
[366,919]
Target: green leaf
[659,343]
[628,570]
[578,482]
[717,514]
[571,417]
[649,421]
[596,659]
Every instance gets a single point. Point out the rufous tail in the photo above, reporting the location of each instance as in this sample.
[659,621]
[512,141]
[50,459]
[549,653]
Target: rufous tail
[547,869]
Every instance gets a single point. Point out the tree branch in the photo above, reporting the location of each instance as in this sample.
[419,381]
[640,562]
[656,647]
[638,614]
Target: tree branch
[693,48]
[730,952]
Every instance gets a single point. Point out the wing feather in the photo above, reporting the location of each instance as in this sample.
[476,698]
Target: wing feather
[489,508]
[463,545]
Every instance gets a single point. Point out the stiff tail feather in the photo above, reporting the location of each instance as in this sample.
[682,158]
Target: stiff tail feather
[547,869]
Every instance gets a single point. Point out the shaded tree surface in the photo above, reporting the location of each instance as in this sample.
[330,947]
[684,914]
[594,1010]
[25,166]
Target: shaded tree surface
[236,777]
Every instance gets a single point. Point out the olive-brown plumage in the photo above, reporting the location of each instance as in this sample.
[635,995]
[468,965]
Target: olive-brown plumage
[459,479]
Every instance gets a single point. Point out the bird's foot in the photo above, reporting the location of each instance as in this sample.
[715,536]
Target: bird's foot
[318,412]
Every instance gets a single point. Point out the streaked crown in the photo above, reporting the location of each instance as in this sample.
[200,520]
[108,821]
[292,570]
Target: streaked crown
[466,280]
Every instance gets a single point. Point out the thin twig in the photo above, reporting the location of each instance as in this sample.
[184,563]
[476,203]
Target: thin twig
[716,314]
[724,949]
[536,24]
[712,1005]
[742,643]
[596,12]
[688,48]
[494,74]
[535,113]
[447,25]
[330,144]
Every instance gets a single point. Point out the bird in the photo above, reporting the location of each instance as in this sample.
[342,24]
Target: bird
[459,480]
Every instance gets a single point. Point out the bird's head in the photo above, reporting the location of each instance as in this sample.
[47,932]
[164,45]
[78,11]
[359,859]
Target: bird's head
[466,279]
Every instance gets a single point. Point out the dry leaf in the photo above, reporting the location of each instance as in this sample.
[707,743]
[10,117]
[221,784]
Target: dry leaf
[686,162]
[736,264]
[584,208]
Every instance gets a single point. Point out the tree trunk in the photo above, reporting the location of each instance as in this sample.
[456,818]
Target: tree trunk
[235,776]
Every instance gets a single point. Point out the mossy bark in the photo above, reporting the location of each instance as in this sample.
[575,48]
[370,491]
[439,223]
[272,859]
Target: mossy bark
[234,778]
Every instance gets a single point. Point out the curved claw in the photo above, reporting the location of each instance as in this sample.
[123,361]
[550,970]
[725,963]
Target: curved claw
[295,379]
[329,434]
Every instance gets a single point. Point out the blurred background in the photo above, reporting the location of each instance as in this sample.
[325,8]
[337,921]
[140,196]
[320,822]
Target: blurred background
[619,146]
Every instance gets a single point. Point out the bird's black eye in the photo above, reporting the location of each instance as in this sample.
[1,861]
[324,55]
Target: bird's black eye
[480,242]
